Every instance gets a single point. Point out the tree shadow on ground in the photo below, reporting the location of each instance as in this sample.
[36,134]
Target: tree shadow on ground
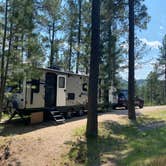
[120,144]
[90,152]
[122,111]
[17,126]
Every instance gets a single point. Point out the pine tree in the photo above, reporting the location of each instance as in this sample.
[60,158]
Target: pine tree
[131,79]
[21,46]
[79,34]
[162,64]
[92,124]
[49,22]
[70,30]
[2,83]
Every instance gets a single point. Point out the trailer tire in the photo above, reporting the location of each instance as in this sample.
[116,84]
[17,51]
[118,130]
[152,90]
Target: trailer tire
[141,106]
[114,106]
[9,108]
[69,115]
[80,112]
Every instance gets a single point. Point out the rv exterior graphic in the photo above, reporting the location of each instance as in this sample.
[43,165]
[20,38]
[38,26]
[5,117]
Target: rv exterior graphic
[55,93]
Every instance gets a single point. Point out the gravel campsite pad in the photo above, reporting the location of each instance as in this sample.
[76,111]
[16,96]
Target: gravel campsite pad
[44,144]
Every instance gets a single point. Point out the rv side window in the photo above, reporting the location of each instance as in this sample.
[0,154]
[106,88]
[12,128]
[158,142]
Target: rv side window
[61,82]
[71,96]
[17,88]
[35,86]
[85,87]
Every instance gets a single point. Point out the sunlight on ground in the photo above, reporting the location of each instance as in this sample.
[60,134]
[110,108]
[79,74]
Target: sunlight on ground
[119,143]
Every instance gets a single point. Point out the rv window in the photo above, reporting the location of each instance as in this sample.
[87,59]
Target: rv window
[85,87]
[61,82]
[71,96]
[35,86]
[17,88]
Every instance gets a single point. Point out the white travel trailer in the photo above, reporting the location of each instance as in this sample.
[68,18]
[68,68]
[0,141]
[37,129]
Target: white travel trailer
[56,92]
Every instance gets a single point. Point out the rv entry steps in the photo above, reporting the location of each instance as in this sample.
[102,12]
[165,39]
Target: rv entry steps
[58,117]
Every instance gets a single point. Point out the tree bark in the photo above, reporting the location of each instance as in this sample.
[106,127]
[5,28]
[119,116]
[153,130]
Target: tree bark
[165,81]
[131,76]
[79,35]
[92,123]
[52,45]
[3,59]
[71,48]
[9,54]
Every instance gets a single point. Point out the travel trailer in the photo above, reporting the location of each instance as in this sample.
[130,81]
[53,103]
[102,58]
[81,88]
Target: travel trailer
[55,93]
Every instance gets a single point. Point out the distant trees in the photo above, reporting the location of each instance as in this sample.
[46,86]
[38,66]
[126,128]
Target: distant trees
[154,89]
[21,47]
[70,29]
[48,20]
[111,12]
[58,32]
[77,31]
[79,34]
[162,64]
[114,40]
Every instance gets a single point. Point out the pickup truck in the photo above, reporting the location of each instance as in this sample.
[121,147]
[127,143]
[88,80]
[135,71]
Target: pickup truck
[123,100]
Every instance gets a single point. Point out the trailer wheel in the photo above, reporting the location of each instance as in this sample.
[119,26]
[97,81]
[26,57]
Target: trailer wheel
[68,115]
[80,112]
[141,106]
[9,108]
[114,106]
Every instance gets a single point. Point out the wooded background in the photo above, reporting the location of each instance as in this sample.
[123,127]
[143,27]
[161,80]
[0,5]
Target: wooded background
[48,33]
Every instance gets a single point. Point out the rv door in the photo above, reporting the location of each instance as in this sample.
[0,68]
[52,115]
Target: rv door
[61,90]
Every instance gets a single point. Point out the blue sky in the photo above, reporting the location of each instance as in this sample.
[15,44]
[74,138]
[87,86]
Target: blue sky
[153,35]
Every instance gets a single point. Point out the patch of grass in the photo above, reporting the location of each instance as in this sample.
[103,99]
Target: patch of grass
[157,115]
[4,117]
[158,161]
[122,144]
[2,142]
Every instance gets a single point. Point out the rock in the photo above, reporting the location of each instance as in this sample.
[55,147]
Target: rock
[7,152]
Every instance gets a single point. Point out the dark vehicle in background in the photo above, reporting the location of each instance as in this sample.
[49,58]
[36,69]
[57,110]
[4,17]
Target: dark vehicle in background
[122,100]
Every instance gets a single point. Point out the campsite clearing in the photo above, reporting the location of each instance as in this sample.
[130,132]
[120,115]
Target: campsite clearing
[47,143]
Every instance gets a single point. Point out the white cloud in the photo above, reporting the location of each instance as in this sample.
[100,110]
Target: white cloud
[125,45]
[161,27]
[153,44]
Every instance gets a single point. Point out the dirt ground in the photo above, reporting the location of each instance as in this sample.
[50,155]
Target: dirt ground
[44,144]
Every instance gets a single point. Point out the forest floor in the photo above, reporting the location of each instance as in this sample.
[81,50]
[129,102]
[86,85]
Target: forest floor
[48,144]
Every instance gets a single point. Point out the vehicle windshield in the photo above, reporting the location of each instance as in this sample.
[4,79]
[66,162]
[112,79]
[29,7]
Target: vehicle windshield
[125,93]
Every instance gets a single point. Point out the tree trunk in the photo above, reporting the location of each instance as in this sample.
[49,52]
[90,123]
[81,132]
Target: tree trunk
[110,56]
[3,60]
[79,36]
[92,123]
[131,80]
[165,68]
[52,45]
[165,82]
[22,47]
[9,54]
[71,48]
